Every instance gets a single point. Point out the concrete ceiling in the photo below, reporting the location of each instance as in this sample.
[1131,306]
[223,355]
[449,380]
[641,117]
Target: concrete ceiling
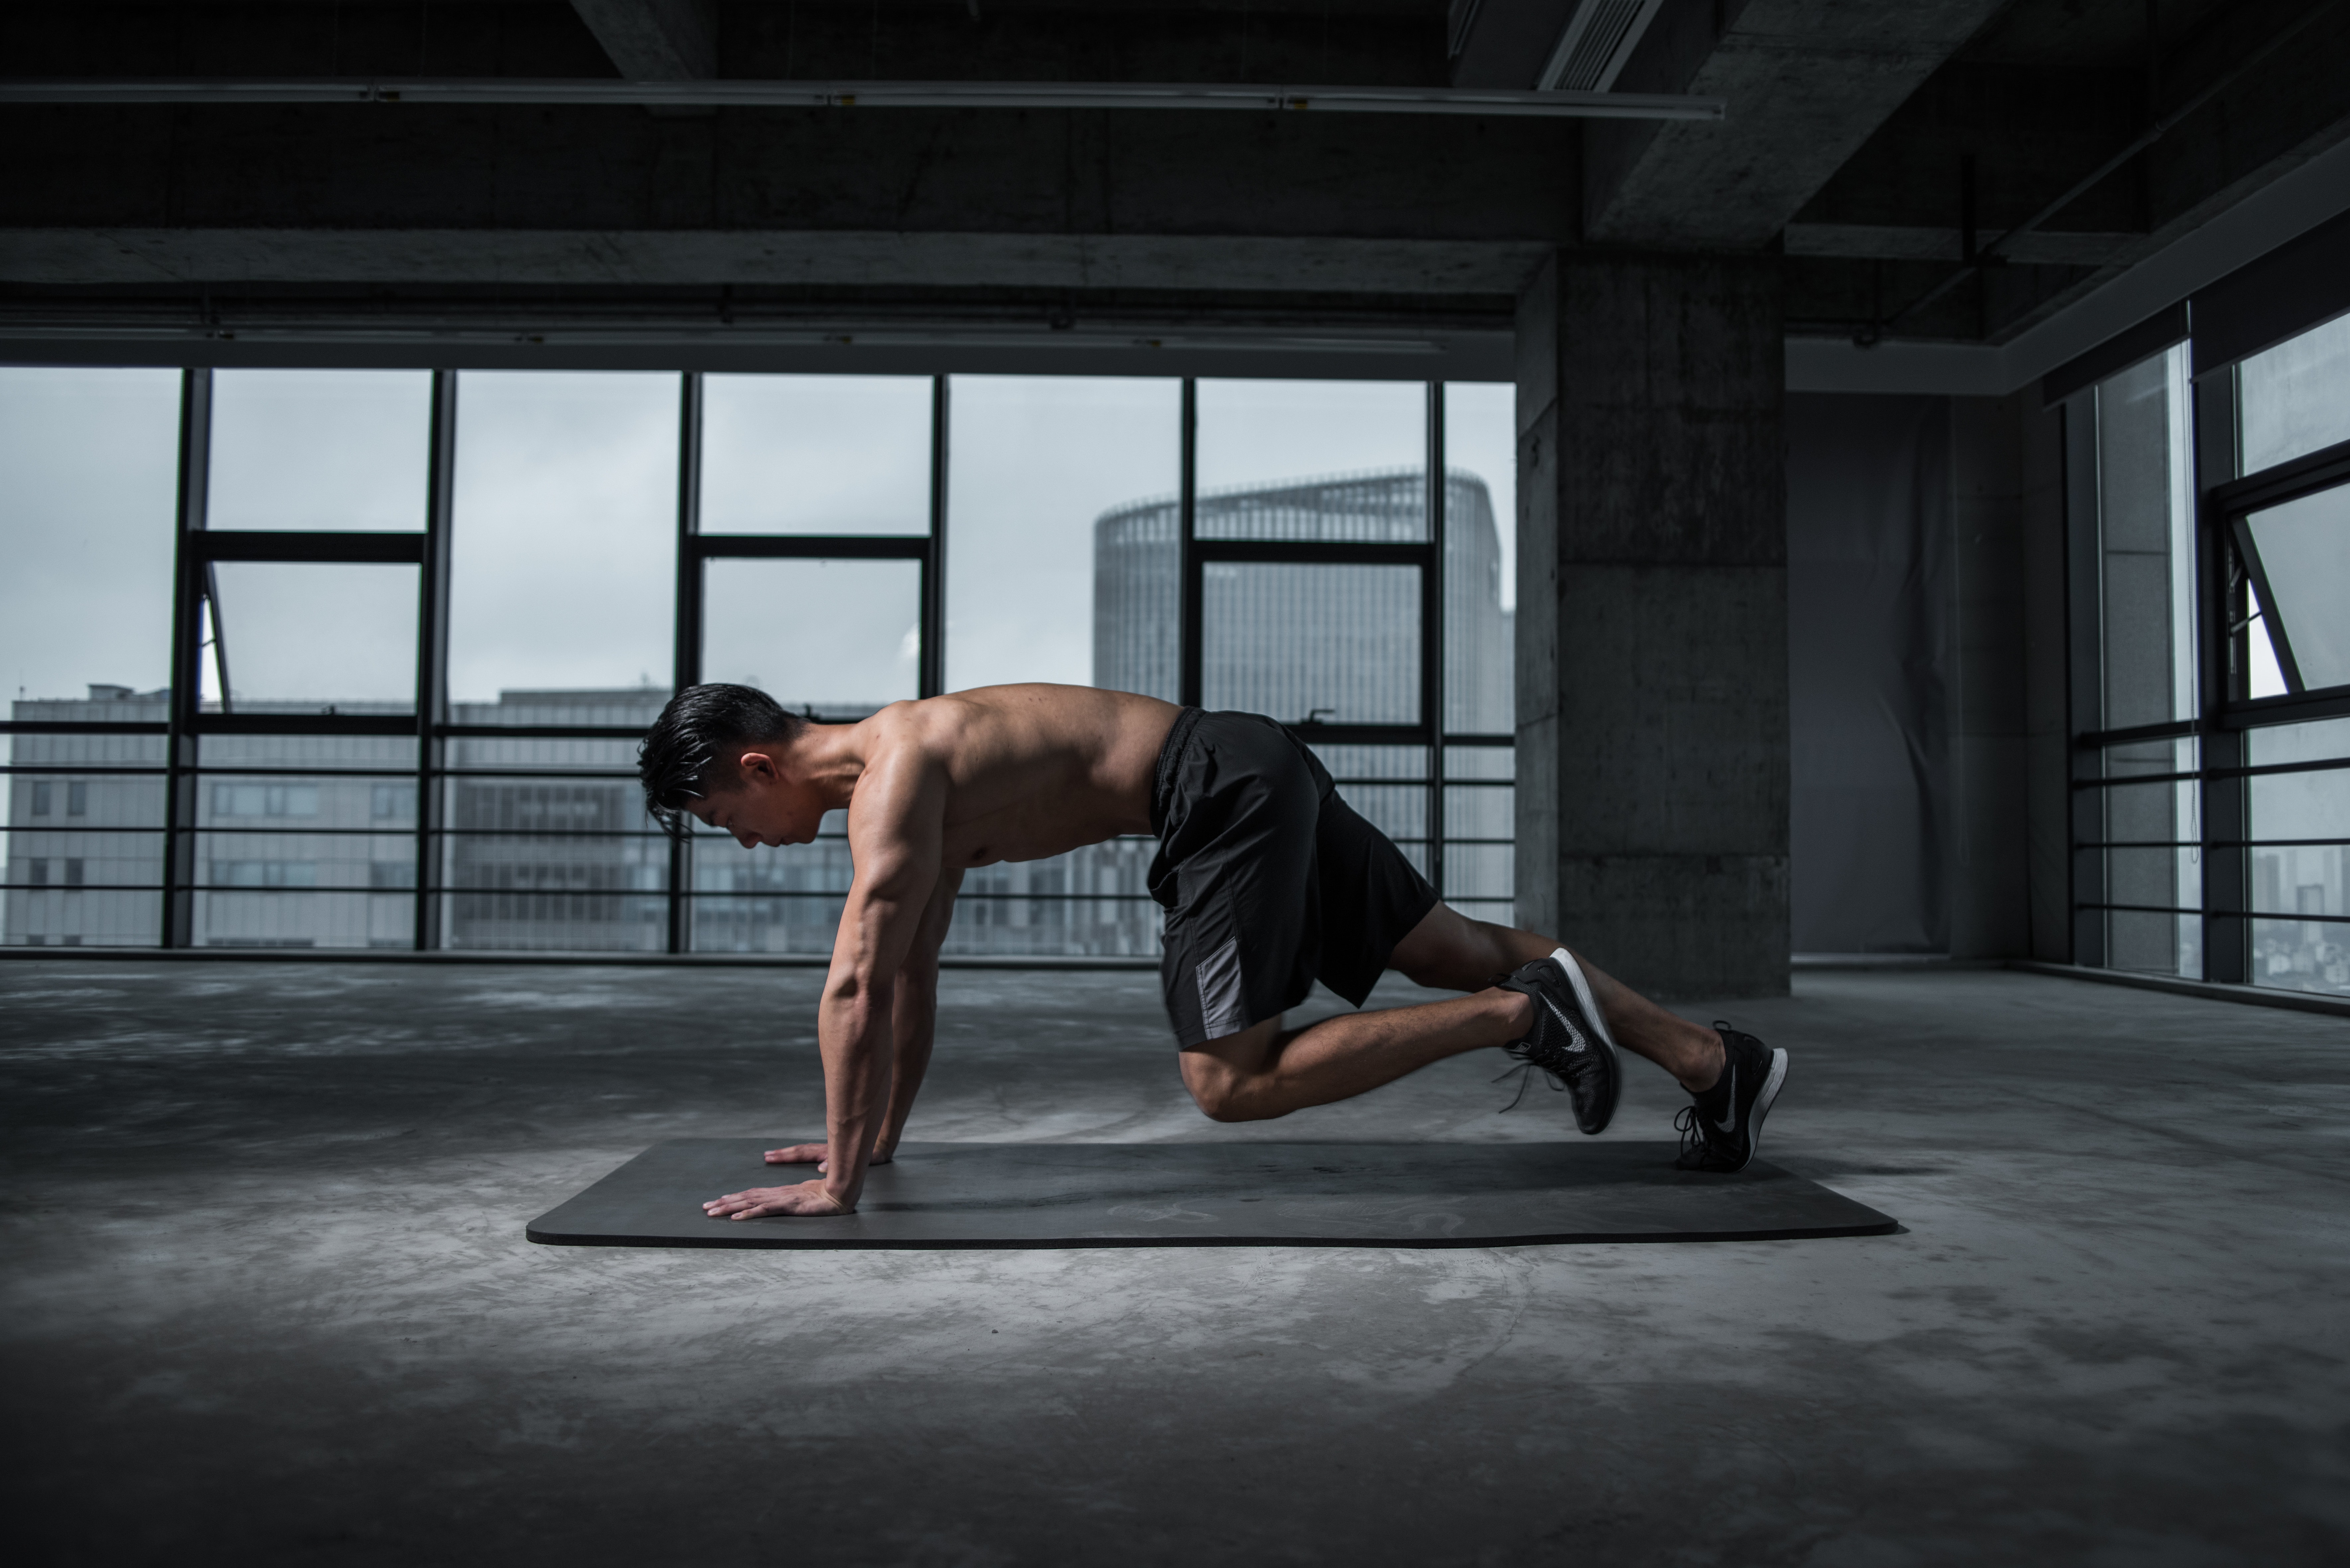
[1861,138]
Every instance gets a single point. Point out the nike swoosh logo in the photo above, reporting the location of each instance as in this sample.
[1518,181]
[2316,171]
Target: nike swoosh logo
[1574,1041]
[1728,1122]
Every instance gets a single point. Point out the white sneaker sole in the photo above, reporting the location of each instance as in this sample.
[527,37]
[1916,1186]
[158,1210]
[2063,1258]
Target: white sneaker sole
[1565,960]
[1772,1084]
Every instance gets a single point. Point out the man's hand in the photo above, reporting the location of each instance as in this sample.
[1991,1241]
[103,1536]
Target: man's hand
[813,1154]
[802,1198]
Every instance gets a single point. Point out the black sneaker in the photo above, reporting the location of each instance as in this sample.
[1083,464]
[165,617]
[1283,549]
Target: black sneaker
[1722,1128]
[1569,1041]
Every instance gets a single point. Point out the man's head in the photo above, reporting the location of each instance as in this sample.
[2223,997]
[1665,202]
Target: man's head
[714,752]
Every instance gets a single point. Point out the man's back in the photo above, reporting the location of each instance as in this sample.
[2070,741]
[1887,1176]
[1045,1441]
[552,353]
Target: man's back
[1031,770]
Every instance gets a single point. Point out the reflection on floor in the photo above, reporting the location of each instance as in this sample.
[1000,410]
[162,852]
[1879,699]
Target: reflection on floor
[267,1295]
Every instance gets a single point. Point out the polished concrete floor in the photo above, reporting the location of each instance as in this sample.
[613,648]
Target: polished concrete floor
[267,1298]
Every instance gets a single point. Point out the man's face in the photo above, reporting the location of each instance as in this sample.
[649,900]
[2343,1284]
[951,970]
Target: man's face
[762,807]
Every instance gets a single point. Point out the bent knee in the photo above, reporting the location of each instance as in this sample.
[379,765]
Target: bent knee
[1222,1094]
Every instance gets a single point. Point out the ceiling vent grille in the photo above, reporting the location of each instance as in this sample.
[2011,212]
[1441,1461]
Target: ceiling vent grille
[1598,38]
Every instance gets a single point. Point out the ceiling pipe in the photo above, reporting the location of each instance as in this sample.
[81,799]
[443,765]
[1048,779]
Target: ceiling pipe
[746,94]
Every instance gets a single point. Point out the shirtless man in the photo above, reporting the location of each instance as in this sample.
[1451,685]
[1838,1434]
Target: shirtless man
[1268,878]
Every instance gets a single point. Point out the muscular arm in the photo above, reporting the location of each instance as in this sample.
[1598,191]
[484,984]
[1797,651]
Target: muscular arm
[894,829]
[914,1012]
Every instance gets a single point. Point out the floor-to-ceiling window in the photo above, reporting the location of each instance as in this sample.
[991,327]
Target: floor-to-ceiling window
[342,658]
[2212,665]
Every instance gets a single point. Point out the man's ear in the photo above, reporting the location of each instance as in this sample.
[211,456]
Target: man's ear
[760,766]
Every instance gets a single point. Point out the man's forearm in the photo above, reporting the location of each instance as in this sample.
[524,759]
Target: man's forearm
[913,1023]
[853,1036]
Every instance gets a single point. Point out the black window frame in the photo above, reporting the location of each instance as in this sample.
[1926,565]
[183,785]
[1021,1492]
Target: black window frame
[198,549]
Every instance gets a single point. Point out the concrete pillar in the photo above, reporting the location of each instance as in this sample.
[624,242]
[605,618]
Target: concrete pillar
[1652,625]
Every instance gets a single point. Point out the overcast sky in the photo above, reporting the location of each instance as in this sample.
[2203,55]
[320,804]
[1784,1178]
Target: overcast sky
[565,513]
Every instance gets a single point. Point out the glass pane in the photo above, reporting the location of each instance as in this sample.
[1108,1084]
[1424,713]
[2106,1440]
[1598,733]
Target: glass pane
[1374,762]
[769,899]
[2145,492]
[287,860]
[2304,549]
[1480,761]
[565,535]
[2298,743]
[837,638]
[2299,805]
[1313,460]
[320,449]
[1038,469]
[1332,644]
[1480,589]
[1479,871]
[270,916]
[86,518]
[552,865]
[1138,599]
[2147,943]
[2156,819]
[309,638]
[83,887]
[2296,397]
[2298,879]
[73,836]
[550,756]
[1481,811]
[2301,955]
[816,454]
[393,755]
[1092,902]
[1399,810]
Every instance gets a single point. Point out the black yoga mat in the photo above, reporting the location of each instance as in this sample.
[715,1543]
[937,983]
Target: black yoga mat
[1214,1194]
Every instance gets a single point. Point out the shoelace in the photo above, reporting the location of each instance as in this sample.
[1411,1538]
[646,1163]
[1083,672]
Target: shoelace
[1692,1126]
[1525,1072]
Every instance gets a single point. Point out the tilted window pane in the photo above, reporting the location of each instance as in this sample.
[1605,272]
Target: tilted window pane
[2296,397]
[1038,468]
[816,454]
[320,449]
[1335,644]
[308,638]
[1313,460]
[2146,525]
[838,638]
[1480,592]
[561,582]
[2304,549]
[86,518]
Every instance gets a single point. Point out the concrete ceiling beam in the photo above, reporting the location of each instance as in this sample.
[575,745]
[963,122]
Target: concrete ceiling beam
[607,258]
[1892,242]
[655,40]
[1805,81]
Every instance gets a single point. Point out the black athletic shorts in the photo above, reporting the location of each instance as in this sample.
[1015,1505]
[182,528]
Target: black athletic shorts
[1270,882]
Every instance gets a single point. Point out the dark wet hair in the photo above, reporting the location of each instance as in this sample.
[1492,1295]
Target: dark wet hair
[690,752]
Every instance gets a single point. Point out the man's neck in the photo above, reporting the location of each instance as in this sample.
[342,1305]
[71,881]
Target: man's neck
[831,758]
